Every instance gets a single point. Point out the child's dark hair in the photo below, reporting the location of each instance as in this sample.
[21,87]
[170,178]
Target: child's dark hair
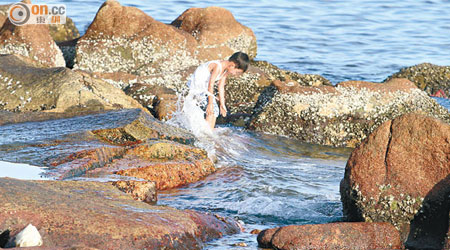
[241,60]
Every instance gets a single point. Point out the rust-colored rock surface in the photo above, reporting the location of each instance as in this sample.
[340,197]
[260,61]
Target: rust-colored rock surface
[33,41]
[97,215]
[140,190]
[400,174]
[218,33]
[342,236]
[394,84]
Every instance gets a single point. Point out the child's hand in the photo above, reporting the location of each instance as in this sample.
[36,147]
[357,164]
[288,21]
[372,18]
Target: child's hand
[223,110]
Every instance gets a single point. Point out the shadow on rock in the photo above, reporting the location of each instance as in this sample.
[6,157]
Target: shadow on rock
[429,227]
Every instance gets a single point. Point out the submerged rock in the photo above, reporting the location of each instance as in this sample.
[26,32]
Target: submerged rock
[338,116]
[400,175]
[428,77]
[332,236]
[25,87]
[97,215]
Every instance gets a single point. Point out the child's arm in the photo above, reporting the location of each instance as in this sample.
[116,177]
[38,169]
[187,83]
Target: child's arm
[223,109]
[214,73]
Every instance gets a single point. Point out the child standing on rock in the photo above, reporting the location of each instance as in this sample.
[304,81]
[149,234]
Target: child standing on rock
[202,81]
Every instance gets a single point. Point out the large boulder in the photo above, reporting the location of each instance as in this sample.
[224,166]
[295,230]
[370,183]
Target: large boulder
[125,39]
[59,32]
[29,88]
[362,236]
[218,34]
[428,77]
[338,116]
[123,45]
[33,41]
[88,215]
[400,175]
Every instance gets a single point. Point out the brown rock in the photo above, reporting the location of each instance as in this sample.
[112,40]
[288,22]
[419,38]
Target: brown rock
[161,101]
[265,237]
[339,116]
[125,39]
[399,174]
[168,164]
[219,35]
[140,190]
[3,13]
[33,41]
[25,87]
[139,126]
[296,88]
[426,76]
[97,215]
[393,85]
[336,236]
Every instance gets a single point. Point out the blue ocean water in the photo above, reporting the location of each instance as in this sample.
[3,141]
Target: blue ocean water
[341,40]
[275,181]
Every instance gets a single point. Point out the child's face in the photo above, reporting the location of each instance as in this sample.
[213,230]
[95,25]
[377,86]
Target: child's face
[234,71]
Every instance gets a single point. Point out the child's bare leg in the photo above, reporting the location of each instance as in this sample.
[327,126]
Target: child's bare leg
[211,120]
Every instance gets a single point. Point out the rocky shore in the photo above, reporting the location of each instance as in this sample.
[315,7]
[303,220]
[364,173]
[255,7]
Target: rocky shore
[90,110]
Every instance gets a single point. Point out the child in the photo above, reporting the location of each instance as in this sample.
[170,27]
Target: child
[201,84]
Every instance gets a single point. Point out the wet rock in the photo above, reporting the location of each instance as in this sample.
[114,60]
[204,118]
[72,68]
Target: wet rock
[29,88]
[333,236]
[140,126]
[265,237]
[32,41]
[125,39]
[428,77]
[167,163]
[159,100]
[140,190]
[400,175]
[337,116]
[218,34]
[97,215]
